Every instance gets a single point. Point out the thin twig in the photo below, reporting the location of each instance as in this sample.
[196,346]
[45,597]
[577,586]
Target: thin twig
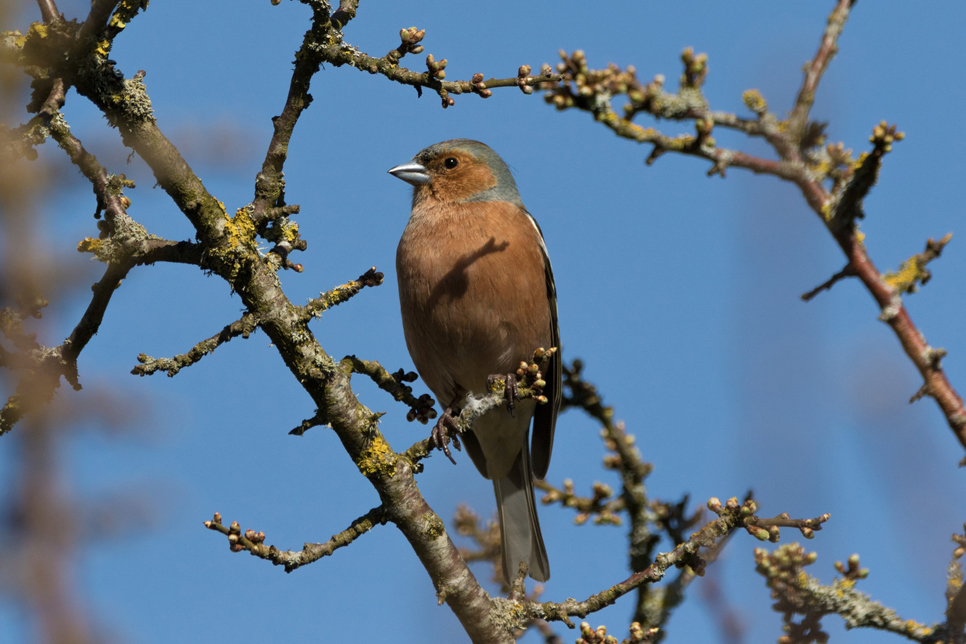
[817,66]
[827,284]
[838,211]
[292,559]
[340,294]
[242,327]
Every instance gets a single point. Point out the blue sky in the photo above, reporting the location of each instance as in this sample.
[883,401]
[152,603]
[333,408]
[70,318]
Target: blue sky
[679,292]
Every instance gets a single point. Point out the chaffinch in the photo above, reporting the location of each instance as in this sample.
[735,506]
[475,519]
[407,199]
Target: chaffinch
[477,298]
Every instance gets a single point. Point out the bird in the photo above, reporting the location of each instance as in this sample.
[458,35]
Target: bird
[477,298]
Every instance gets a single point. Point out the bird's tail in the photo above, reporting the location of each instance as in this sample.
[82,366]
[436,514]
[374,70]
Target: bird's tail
[519,526]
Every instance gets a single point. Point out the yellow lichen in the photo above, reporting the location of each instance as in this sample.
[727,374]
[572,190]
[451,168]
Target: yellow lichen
[240,229]
[904,280]
[39,29]
[827,211]
[378,458]
[290,233]
[754,101]
[125,11]
[89,245]
[435,527]
[822,167]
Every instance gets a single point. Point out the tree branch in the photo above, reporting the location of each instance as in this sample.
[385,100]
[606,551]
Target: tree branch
[802,161]
[340,294]
[730,518]
[242,327]
[827,284]
[292,559]
[49,12]
[816,68]
[799,593]
[269,187]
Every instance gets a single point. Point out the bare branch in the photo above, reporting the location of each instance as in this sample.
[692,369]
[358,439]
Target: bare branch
[816,68]
[292,559]
[340,294]
[49,12]
[913,273]
[268,183]
[685,554]
[801,594]
[345,12]
[827,284]
[242,327]
[421,408]
[593,90]
[956,615]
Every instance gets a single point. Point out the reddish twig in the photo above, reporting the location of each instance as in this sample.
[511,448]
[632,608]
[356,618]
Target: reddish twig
[827,284]
[815,69]
[801,161]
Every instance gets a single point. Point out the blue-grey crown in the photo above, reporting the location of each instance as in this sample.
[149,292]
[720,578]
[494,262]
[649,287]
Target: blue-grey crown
[505,188]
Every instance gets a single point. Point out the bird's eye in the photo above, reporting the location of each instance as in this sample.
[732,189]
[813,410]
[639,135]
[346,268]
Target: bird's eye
[451,162]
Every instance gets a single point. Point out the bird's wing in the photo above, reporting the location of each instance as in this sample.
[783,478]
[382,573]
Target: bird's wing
[545,418]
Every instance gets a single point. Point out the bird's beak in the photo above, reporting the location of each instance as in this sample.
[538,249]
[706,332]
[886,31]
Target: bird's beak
[411,172]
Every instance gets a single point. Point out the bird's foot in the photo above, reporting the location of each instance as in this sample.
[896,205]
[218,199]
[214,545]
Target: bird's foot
[444,431]
[509,388]
[530,376]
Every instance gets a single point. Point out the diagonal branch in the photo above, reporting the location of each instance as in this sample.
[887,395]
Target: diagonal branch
[829,283]
[685,554]
[242,327]
[801,161]
[798,593]
[49,12]
[268,184]
[340,294]
[815,69]
[254,542]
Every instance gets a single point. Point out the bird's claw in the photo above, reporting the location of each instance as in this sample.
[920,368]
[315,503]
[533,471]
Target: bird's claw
[445,430]
[509,390]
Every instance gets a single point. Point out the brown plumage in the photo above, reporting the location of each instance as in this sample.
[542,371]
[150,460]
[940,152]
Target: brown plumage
[477,297]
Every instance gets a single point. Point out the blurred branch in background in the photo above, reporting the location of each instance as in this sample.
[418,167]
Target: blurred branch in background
[39,525]
[44,524]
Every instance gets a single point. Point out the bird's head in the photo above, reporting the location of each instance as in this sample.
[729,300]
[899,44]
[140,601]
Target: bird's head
[459,170]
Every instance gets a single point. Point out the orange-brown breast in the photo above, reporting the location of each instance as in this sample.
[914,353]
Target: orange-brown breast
[472,291]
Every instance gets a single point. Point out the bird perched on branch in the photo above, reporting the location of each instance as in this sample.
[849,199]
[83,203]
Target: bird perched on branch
[477,298]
